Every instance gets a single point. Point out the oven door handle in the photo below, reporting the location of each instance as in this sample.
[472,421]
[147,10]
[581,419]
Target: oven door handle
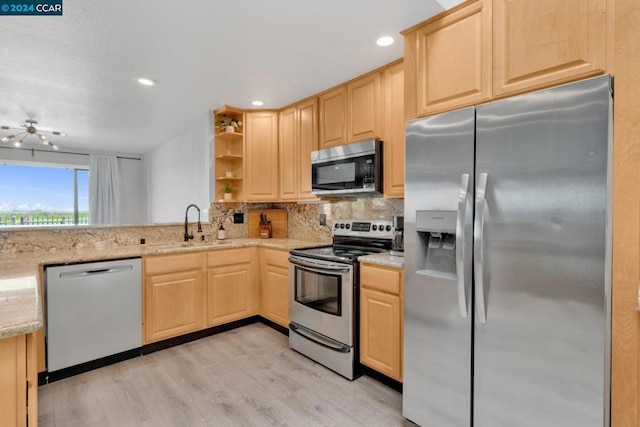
[318,339]
[320,268]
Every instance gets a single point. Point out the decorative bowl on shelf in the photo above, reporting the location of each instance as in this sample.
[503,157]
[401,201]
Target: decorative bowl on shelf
[228,124]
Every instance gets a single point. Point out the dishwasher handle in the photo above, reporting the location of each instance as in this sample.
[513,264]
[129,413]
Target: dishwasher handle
[85,273]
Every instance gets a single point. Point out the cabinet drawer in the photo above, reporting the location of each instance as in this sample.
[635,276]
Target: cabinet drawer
[381,279]
[276,257]
[228,257]
[170,263]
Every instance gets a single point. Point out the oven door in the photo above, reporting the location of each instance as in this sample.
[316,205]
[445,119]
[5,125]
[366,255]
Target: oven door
[321,297]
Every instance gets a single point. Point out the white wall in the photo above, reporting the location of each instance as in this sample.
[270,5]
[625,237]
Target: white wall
[178,173]
[132,185]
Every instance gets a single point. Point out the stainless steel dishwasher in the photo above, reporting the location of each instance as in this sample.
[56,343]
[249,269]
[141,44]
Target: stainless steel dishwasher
[93,310]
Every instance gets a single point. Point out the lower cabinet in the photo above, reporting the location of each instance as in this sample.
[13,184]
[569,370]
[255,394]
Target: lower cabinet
[381,307]
[230,286]
[275,286]
[18,381]
[173,304]
[190,291]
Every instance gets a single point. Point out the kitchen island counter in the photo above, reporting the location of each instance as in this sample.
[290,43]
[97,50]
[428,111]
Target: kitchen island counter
[20,302]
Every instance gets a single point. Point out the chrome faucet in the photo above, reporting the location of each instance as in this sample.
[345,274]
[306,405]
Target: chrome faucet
[188,236]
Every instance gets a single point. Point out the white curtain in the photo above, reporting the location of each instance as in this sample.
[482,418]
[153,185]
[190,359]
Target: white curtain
[104,190]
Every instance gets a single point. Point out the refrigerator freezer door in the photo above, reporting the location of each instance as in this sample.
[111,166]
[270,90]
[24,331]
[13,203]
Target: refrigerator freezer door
[437,337]
[541,358]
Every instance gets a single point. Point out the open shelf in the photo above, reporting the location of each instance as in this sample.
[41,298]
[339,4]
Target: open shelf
[229,135]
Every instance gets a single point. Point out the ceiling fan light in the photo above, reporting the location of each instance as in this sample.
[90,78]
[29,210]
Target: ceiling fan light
[54,146]
[18,143]
[5,127]
[59,133]
[8,138]
[42,137]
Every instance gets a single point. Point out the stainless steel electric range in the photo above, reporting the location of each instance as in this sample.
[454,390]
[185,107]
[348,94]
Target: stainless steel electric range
[323,293]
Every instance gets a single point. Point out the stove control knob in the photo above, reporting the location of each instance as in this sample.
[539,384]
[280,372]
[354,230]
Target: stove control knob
[336,225]
[388,228]
[348,226]
[381,227]
[341,225]
[374,227]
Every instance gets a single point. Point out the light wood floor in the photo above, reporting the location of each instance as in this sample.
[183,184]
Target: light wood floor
[244,377]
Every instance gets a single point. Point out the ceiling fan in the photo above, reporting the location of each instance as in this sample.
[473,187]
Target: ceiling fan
[28,129]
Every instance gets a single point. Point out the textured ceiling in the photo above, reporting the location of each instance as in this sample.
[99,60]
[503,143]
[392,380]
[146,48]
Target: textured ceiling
[75,73]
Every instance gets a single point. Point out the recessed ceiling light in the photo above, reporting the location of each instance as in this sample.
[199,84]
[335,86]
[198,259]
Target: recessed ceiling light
[146,81]
[257,103]
[385,41]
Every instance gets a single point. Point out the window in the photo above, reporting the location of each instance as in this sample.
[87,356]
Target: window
[43,195]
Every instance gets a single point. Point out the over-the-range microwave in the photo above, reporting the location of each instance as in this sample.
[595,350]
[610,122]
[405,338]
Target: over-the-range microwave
[348,170]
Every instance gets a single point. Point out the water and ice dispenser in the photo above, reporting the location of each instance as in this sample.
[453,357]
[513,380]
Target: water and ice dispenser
[436,243]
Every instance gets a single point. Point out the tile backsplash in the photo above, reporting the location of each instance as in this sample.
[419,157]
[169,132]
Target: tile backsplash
[303,219]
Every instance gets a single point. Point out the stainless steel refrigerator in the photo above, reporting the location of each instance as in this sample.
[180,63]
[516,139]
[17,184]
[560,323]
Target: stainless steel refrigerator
[507,262]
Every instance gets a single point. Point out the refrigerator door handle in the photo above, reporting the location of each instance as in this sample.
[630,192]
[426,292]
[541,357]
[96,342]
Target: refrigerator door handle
[460,244]
[478,243]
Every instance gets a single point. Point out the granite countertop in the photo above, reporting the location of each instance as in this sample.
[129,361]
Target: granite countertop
[383,259]
[20,305]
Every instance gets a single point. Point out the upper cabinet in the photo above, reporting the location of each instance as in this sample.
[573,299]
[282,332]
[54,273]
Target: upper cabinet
[307,116]
[448,61]
[333,117]
[483,50]
[394,131]
[545,42]
[364,108]
[288,153]
[261,129]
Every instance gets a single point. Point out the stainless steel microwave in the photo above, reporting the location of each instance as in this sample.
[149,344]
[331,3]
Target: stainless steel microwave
[348,170]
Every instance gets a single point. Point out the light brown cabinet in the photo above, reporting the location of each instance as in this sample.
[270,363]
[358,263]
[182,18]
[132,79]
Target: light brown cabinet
[275,286]
[173,295]
[394,131]
[448,61]
[308,142]
[288,153]
[261,136]
[230,286]
[546,42]
[18,381]
[364,108]
[298,137]
[381,325]
[333,117]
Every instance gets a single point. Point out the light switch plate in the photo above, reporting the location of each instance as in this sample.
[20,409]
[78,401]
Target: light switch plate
[238,218]
[323,219]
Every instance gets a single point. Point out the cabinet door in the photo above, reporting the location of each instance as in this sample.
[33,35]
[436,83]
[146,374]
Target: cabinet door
[380,333]
[275,294]
[307,142]
[364,106]
[288,150]
[453,60]
[333,117]
[394,131]
[546,42]
[13,380]
[261,133]
[229,294]
[173,304]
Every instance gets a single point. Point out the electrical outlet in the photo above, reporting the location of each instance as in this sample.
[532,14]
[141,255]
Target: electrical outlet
[238,218]
[142,241]
[323,219]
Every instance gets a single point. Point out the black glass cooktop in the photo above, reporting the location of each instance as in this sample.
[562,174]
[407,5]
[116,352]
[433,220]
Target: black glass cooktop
[335,253]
